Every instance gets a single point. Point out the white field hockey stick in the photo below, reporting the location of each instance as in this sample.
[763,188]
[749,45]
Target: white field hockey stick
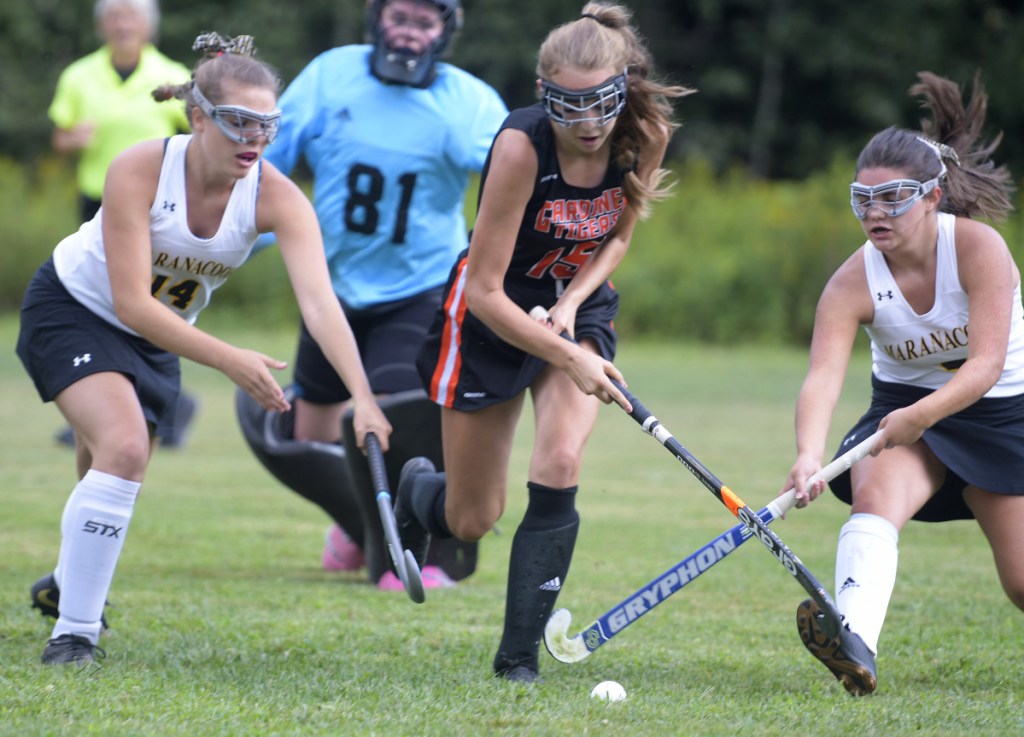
[626,612]
[405,562]
[833,620]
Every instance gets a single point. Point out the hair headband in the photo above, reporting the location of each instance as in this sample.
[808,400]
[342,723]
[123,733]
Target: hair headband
[213,44]
[942,151]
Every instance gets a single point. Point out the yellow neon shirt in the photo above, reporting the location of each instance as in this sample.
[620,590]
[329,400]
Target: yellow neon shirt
[124,112]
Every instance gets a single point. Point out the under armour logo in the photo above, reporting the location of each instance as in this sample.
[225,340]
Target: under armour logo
[169,206]
[84,358]
[884,295]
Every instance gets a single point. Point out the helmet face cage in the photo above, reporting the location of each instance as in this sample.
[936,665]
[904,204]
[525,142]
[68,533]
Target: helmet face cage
[893,198]
[400,66]
[240,124]
[599,104]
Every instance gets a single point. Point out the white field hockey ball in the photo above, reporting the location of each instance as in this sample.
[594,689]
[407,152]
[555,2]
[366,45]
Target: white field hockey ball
[608,691]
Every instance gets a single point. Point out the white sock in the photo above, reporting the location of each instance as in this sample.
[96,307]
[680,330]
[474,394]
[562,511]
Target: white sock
[93,529]
[866,559]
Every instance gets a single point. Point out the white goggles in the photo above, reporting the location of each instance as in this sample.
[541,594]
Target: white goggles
[892,198]
[598,104]
[238,123]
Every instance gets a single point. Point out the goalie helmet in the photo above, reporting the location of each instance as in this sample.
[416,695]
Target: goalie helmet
[403,66]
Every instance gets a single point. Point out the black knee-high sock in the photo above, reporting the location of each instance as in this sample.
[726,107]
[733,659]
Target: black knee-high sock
[541,554]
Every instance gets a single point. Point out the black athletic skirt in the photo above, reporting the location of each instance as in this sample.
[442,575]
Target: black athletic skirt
[982,446]
[61,341]
[465,365]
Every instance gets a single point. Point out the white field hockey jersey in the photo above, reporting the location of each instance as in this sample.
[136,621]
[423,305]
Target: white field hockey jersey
[186,268]
[925,350]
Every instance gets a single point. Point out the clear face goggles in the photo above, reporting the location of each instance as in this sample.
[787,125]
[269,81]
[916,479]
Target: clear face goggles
[599,104]
[238,123]
[892,198]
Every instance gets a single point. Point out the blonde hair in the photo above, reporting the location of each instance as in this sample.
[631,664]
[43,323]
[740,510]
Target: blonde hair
[603,38]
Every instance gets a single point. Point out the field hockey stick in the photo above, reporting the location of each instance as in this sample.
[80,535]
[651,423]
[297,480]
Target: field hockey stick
[650,424]
[574,649]
[405,562]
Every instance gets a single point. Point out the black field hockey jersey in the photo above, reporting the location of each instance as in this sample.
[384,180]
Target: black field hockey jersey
[563,224]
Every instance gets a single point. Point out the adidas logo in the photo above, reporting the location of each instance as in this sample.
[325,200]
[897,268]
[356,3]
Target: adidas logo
[849,583]
[555,584]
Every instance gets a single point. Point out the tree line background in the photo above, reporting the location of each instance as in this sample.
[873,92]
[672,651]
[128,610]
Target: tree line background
[783,85]
[788,93]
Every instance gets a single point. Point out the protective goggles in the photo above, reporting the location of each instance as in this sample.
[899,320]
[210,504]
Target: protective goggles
[890,198]
[238,123]
[598,104]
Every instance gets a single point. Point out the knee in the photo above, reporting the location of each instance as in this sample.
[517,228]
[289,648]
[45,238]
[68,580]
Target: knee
[558,466]
[471,529]
[125,456]
[471,524]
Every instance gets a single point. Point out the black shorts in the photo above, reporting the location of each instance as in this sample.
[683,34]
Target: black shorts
[466,366]
[982,446]
[61,341]
[389,336]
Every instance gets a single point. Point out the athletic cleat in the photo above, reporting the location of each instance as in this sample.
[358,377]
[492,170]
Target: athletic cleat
[520,674]
[849,659]
[71,649]
[46,598]
[432,577]
[340,553]
[414,537]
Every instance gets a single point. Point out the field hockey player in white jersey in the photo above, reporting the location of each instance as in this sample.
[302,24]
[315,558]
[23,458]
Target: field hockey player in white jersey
[105,320]
[939,296]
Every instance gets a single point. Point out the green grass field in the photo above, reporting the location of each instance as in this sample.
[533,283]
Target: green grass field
[223,622]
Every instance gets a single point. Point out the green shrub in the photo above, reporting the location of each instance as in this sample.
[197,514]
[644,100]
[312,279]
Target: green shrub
[724,260]
[38,207]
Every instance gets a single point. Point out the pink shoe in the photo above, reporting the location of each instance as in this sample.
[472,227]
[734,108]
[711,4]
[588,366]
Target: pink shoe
[340,553]
[433,578]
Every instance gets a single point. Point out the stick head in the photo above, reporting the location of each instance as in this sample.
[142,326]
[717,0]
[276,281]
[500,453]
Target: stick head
[558,644]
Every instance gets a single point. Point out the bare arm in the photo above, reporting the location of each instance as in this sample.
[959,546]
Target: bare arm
[599,268]
[988,276]
[128,195]
[843,307]
[284,209]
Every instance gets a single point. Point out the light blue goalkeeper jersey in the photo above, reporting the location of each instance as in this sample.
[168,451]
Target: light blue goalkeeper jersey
[391,164]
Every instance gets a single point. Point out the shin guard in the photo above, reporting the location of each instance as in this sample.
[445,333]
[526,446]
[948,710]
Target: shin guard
[541,553]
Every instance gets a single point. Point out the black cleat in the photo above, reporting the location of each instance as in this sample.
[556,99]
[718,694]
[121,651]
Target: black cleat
[71,649]
[46,598]
[414,537]
[849,659]
[520,674]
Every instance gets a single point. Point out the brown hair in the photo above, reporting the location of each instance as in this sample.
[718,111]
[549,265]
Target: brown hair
[973,184]
[603,37]
[222,59]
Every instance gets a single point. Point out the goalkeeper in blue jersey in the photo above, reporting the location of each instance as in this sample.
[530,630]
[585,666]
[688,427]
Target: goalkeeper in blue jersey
[391,135]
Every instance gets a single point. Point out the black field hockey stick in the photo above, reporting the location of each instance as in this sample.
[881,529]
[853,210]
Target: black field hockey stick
[650,424]
[405,562]
[574,649]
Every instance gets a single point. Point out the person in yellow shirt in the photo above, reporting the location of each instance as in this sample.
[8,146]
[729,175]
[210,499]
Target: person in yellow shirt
[102,105]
